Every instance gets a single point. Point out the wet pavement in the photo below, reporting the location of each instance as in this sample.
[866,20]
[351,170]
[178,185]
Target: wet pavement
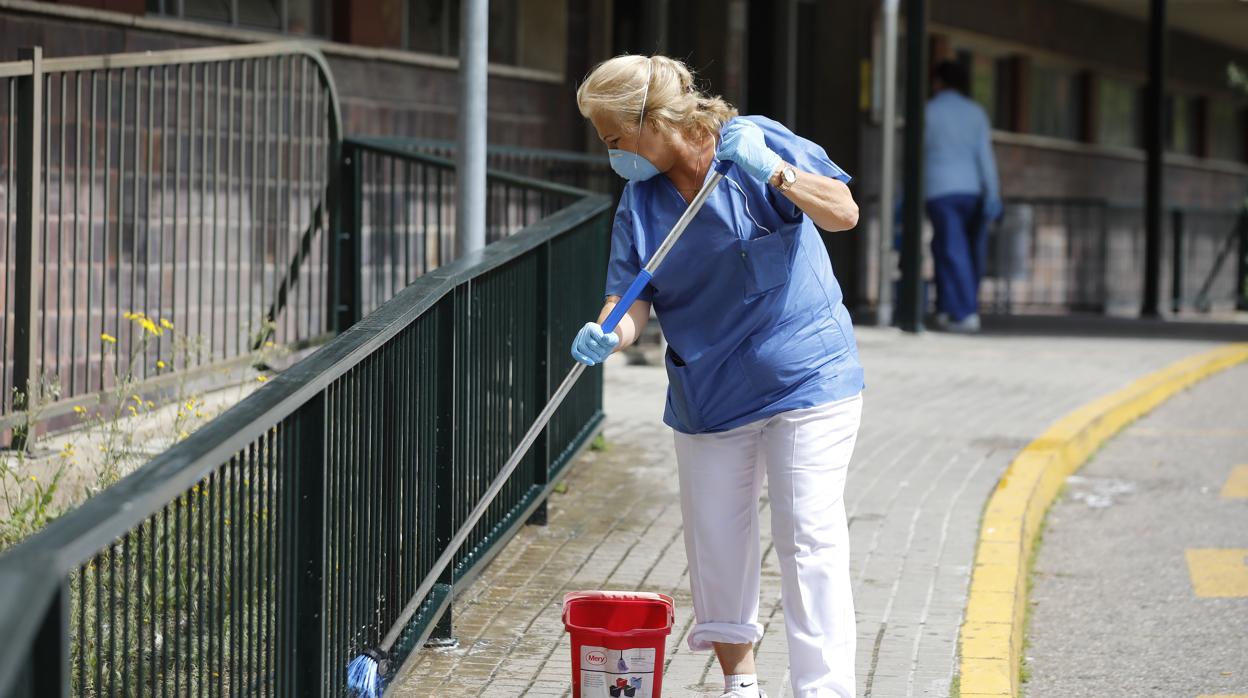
[943,416]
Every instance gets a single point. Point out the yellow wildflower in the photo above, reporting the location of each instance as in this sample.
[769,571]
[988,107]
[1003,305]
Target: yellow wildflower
[151,327]
[128,315]
[183,435]
[201,415]
[151,405]
[34,479]
[262,379]
[133,411]
[108,338]
[190,404]
[138,400]
[80,409]
[269,344]
[160,364]
[166,324]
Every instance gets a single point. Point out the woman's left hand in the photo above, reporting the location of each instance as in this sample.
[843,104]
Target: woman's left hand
[742,142]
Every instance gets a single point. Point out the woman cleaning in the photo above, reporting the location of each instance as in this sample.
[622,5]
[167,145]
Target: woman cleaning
[763,371]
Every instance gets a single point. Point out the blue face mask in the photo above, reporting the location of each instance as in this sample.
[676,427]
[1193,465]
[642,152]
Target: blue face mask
[630,165]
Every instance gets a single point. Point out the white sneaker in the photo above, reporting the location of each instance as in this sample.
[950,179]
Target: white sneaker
[738,694]
[967,325]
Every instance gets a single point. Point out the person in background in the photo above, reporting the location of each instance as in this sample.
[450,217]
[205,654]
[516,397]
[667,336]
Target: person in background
[963,195]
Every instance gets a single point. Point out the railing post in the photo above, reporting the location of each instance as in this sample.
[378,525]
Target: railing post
[446,461]
[49,655]
[29,214]
[345,270]
[305,466]
[1241,273]
[541,317]
[1176,261]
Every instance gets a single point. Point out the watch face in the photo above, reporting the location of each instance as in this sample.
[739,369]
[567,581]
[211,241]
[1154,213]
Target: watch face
[788,175]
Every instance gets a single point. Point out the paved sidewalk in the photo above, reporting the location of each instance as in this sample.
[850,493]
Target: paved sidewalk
[943,417]
[1141,584]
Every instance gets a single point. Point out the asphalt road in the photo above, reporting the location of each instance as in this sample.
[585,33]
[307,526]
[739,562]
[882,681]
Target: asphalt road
[1141,583]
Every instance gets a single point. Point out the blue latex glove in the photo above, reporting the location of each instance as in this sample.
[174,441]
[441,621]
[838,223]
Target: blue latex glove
[742,142]
[592,345]
[992,209]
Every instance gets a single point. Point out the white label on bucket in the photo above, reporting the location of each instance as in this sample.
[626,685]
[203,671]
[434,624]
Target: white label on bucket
[617,673]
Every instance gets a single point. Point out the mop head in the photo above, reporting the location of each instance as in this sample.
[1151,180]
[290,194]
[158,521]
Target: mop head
[364,675]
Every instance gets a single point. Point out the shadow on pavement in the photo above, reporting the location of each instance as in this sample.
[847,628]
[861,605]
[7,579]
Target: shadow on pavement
[1112,327]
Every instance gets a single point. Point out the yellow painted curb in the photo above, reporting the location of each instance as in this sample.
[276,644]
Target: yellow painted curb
[991,637]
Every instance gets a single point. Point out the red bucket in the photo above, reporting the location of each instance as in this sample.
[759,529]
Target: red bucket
[618,639]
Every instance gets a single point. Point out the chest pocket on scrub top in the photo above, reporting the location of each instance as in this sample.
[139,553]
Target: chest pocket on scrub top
[765,258]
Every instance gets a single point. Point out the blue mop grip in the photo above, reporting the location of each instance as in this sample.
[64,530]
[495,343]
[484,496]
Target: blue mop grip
[626,301]
[722,166]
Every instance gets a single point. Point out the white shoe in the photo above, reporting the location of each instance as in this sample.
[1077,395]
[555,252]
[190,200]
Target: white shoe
[738,694]
[967,325]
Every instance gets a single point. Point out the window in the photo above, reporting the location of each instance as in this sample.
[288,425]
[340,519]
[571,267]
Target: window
[992,84]
[1118,109]
[1227,126]
[529,33]
[306,17]
[1182,122]
[1056,103]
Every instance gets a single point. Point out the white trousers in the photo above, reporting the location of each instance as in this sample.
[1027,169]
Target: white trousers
[804,455]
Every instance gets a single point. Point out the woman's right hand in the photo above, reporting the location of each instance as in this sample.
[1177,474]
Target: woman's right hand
[592,346]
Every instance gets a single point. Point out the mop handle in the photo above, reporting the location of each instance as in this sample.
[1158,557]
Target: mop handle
[556,400]
[644,277]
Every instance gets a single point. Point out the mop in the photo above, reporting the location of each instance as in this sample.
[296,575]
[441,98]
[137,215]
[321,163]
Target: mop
[365,673]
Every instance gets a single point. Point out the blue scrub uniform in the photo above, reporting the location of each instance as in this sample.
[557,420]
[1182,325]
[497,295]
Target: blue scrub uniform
[752,312]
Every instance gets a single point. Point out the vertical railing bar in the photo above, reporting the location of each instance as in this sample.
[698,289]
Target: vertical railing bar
[266,192]
[99,622]
[82,626]
[222,477]
[201,259]
[242,311]
[300,99]
[255,224]
[151,543]
[194,593]
[124,674]
[235,327]
[283,202]
[270,551]
[29,210]
[393,219]
[236,601]
[163,225]
[216,214]
[42,301]
[73,334]
[112,619]
[60,239]
[183,319]
[208,489]
[147,215]
[407,223]
[177,595]
[139,609]
[134,207]
[200,672]
[164,594]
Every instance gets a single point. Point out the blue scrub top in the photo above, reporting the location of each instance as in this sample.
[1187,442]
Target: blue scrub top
[752,312]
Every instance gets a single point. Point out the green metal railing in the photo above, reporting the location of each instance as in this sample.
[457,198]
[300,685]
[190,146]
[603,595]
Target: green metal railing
[399,217]
[267,549]
[192,185]
[590,171]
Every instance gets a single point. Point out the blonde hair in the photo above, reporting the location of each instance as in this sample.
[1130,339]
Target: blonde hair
[672,101]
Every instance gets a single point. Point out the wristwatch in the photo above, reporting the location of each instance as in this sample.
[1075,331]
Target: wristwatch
[784,178]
